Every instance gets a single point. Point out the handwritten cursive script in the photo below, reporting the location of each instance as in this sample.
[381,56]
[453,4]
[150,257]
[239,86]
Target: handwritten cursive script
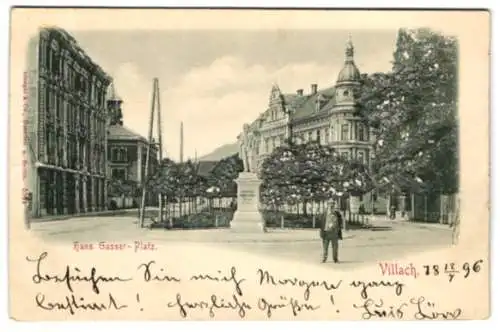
[379,309]
[72,303]
[264,277]
[71,275]
[215,303]
[295,306]
[398,286]
[426,310]
[149,275]
[419,308]
[231,278]
[271,295]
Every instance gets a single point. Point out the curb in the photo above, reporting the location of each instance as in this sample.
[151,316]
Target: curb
[82,215]
[421,225]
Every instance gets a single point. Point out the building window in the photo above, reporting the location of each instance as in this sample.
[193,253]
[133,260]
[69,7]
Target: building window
[118,154]
[345,132]
[123,155]
[361,132]
[361,156]
[118,174]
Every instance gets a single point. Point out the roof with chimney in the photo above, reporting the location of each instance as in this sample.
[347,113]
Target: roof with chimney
[317,102]
[306,106]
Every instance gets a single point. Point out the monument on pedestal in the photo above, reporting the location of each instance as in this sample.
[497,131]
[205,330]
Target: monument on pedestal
[247,217]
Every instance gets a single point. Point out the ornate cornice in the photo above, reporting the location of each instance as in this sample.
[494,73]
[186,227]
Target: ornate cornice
[64,39]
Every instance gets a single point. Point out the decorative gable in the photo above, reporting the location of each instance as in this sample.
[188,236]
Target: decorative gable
[320,101]
[276,104]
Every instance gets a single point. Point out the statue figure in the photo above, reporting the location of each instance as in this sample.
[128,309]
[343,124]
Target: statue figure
[244,148]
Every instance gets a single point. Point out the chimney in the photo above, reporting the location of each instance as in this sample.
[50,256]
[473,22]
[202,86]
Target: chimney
[300,92]
[314,89]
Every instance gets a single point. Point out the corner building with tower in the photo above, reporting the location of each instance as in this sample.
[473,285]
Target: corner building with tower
[127,154]
[67,127]
[327,115]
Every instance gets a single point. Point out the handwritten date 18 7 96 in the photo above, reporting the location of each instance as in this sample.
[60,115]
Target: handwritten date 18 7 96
[451,269]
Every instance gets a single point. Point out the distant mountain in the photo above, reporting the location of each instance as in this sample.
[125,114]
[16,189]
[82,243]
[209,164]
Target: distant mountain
[222,152]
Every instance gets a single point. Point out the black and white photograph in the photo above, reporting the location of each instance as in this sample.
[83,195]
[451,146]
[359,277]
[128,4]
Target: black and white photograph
[338,148]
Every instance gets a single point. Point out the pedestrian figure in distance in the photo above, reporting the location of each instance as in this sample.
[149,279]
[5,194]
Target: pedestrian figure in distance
[392,215]
[331,232]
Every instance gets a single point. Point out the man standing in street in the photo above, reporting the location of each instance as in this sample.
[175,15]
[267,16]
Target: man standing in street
[331,231]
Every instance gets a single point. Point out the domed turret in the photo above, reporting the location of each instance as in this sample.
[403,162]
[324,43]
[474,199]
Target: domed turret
[114,104]
[111,93]
[350,72]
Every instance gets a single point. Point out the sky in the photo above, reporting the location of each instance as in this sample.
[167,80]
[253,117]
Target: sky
[216,81]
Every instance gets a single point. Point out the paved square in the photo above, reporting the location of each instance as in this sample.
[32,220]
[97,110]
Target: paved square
[389,240]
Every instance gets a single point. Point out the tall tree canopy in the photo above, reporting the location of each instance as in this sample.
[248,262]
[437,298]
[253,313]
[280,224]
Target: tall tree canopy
[413,111]
[224,173]
[310,172]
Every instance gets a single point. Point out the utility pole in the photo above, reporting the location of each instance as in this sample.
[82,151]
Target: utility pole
[155,103]
[181,157]
[160,148]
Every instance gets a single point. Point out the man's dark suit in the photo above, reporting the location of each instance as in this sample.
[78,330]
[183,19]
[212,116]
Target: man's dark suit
[331,234]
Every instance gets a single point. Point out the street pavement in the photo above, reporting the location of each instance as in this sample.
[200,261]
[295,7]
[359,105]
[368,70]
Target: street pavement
[386,240]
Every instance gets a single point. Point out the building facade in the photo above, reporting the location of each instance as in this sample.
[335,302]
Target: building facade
[329,116]
[67,127]
[127,154]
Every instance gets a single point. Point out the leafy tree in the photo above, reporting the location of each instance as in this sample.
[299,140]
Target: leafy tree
[118,187]
[310,172]
[166,178]
[221,180]
[412,110]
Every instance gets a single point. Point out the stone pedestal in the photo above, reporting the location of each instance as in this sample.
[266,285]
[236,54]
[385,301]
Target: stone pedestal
[247,217]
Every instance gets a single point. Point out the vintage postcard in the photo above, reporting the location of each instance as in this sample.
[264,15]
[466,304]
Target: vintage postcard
[175,164]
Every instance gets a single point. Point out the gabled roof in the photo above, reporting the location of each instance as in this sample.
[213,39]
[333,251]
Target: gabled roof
[117,132]
[305,106]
